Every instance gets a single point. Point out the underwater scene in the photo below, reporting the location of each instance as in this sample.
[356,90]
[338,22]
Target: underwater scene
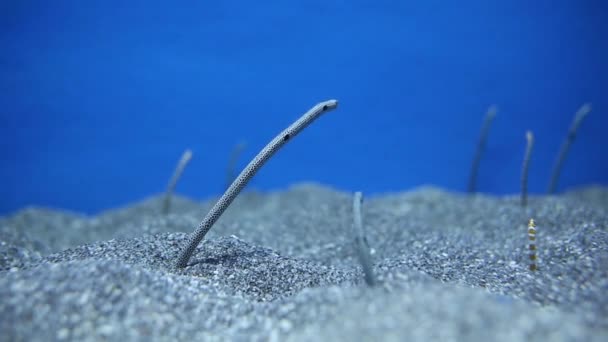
[304,170]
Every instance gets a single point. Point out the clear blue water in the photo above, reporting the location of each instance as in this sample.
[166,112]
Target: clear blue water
[99,98]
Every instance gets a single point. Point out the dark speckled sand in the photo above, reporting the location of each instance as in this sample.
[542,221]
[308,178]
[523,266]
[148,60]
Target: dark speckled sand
[281,266]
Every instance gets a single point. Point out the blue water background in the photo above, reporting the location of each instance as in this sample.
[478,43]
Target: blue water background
[98,99]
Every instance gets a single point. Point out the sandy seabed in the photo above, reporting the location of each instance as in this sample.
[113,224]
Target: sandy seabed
[281,266]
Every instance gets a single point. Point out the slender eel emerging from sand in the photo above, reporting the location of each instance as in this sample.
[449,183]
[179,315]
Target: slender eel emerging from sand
[245,176]
[232,163]
[361,245]
[481,145]
[177,174]
[532,245]
[563,152]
